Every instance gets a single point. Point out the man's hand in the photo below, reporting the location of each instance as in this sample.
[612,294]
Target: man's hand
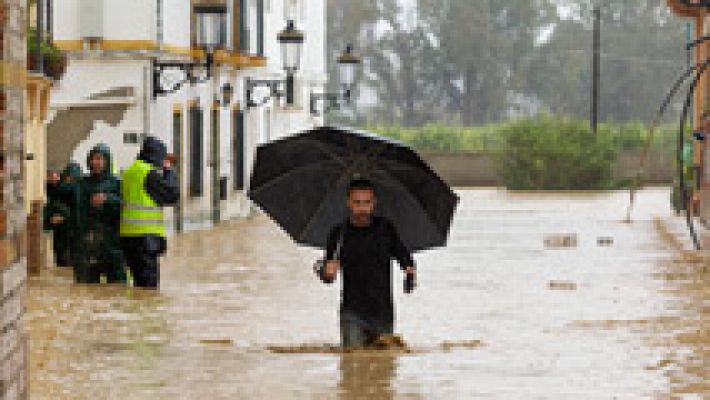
[169,161]
[98,199]
[331,269]
[56,219]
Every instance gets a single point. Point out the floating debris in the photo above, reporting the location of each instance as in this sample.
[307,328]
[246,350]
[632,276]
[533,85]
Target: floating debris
[562,285]
[463,344]
[306,349]
[386,344]
[389,342]
[222,341]
[561,240]
[605,241]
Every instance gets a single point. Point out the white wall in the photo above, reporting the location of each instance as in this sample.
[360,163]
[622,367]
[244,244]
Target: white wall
[130,20]
[123,19]
[176,17]
[65,19]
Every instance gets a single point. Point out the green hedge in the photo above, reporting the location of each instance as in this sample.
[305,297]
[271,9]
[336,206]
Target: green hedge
[443,137]
[553,154]
[542,153]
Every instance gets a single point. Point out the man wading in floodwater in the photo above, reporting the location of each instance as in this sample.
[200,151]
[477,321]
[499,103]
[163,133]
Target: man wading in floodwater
[367,245]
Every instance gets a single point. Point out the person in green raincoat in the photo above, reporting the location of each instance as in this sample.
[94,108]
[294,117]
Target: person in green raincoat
[690,173]
[58,216]
[99,206]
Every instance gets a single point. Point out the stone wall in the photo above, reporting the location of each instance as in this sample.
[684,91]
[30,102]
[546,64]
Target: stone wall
[13,272]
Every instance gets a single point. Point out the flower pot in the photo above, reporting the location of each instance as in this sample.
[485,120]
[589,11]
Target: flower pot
[55,68]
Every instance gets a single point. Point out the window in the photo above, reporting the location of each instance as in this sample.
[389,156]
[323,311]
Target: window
[243,26]
[196,134]
[238,150]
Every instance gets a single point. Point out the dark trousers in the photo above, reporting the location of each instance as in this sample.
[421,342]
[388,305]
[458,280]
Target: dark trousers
[61,244]
[90,271]
[357,332]
[97,254]
[142,253]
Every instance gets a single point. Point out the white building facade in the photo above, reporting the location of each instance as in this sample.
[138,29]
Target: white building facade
[107,93]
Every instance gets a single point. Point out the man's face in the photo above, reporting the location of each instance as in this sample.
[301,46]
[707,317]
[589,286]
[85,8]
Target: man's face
[97,163]
[361,203]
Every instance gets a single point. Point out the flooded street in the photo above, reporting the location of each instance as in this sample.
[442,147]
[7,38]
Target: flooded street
[616,319]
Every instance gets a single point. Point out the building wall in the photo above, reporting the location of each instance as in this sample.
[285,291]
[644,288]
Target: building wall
[89,75]
[13,352]
[35,138]
[127,24]
[176,15]
[130,20]
[65,20]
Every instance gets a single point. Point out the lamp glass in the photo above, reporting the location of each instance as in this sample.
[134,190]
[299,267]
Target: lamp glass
[291,40]
[211,29]
[291,56]
[348,73]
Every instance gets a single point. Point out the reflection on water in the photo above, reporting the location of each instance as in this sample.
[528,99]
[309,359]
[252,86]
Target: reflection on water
[498,314]
[367,376]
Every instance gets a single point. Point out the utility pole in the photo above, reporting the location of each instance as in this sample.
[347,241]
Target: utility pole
[689,49]
[595,69]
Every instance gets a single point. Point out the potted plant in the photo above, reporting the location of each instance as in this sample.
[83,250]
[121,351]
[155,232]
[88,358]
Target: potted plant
[55,62]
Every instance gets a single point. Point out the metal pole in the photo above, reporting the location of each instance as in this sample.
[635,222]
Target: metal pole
[595,69]
[147,95]
[289,89]
[215,141]
[689,38]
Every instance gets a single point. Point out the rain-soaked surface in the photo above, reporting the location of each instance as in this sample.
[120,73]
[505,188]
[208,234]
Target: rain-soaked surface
[498,314]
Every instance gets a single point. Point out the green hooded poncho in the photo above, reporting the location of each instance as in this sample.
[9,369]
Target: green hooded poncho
[100,249]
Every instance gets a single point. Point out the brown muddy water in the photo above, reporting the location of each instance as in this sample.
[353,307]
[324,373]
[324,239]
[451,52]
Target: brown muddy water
[498,314]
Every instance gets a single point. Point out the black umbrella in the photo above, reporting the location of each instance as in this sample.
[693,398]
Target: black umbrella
[301,182]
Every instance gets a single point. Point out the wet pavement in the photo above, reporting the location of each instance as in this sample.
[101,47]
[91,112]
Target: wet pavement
[498,314]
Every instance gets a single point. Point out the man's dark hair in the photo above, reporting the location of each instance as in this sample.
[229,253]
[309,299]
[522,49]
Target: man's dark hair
[360,184]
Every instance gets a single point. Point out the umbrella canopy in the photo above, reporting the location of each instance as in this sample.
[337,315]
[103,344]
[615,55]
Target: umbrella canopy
[301,182]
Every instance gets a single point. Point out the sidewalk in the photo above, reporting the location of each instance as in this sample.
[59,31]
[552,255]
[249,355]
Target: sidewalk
[676,228]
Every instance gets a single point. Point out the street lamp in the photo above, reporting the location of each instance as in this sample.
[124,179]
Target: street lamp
[291,40]
[226,91]
[348,64]
[210,25]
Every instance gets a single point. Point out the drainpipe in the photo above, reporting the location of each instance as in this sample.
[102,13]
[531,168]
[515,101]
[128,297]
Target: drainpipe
[50,27]
[146,98]
[159,23]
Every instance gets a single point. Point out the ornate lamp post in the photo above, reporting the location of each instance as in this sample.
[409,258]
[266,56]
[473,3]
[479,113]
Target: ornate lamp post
[348,65]
[291,41]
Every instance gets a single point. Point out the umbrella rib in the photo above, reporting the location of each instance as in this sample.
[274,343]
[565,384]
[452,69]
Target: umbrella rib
[288,173]
[410,195]
[325,150]
[322,205]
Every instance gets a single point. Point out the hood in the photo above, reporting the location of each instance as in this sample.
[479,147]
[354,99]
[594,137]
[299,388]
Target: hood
[72,169]
[104,150]
[153,152]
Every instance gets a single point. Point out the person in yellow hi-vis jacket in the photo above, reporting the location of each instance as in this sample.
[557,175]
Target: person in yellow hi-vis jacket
[147,186]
